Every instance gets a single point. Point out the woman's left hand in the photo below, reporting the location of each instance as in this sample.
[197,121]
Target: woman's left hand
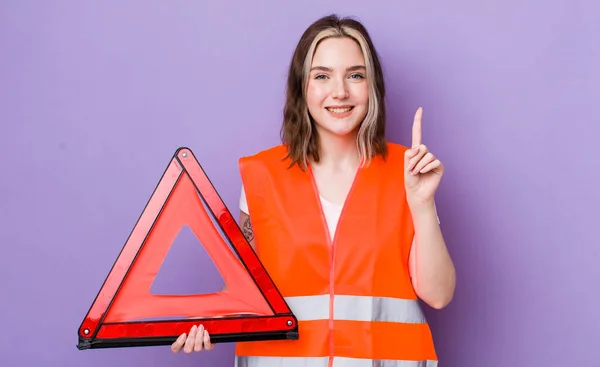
[422,170]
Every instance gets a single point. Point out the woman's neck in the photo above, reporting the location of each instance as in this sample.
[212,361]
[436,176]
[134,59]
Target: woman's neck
[338,152]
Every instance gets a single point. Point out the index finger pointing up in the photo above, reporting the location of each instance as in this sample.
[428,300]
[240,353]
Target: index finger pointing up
[416,130]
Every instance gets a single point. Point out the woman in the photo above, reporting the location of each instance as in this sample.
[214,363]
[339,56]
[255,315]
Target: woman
[344,222]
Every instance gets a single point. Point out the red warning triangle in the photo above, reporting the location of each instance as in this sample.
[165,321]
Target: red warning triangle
[126,314]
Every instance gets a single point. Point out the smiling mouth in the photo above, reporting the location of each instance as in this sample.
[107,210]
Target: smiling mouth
[339,110]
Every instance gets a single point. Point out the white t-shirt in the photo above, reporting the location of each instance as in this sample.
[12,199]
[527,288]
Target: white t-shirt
[330,210]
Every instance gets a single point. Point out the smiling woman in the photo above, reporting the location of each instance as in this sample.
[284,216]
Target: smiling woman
[343,221]
[334,67]
[338,96]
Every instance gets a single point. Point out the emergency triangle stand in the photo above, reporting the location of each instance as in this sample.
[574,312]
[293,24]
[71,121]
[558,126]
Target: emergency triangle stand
[126,314]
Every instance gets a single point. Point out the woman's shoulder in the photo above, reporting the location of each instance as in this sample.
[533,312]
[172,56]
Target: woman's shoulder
[395,153]
[273,156]
[396,148]
[277,151]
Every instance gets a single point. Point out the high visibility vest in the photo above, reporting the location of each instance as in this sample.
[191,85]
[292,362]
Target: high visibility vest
[353,296]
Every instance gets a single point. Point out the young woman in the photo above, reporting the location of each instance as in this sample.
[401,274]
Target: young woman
[344,221]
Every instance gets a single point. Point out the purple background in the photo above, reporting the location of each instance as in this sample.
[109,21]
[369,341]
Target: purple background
[96,96]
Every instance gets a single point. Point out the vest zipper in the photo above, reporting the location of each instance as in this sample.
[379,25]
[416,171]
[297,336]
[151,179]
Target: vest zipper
[331,283]
[331,244]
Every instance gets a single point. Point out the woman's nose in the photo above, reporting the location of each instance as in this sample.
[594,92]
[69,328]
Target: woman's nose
[340,90]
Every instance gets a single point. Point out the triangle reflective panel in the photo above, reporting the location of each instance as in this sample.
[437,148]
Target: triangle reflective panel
[126,314]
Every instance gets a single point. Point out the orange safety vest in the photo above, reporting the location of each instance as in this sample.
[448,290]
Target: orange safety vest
[353,297]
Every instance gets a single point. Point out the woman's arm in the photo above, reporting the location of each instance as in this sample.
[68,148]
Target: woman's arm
[246,227]
[432,271]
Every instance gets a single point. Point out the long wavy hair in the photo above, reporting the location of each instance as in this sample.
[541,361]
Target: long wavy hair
[298,131]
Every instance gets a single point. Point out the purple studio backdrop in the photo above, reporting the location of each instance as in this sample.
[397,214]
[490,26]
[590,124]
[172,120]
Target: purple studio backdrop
[96,96]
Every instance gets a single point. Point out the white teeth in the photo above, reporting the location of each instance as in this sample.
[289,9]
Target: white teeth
[339,110]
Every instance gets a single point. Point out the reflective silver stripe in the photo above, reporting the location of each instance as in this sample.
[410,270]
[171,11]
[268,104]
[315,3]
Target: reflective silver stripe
[377,309]
[309,307]
[356,362]
[358,308]
[322,362]
[281,361]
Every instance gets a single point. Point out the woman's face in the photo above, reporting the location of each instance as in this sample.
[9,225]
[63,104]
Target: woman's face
[338,90]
